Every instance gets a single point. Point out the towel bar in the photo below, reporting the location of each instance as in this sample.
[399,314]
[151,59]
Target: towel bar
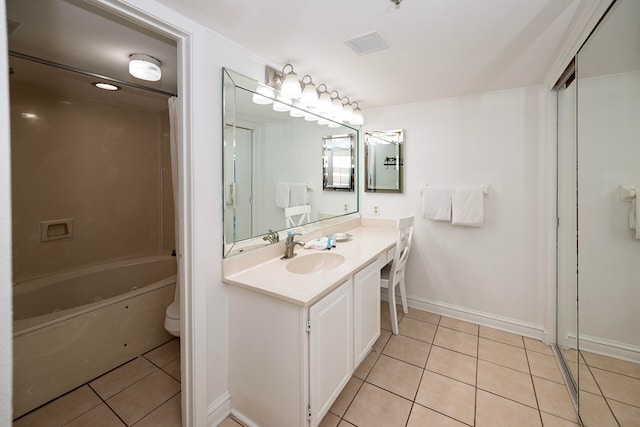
[626,193]
[485,189]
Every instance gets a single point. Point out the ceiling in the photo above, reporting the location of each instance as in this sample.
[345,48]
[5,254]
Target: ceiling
[438,48]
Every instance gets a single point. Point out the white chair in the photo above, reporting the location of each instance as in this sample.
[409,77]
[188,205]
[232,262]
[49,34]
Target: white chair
[303,211]
[392,274]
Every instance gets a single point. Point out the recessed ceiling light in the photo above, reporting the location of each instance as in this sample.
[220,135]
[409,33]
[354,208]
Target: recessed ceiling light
[105,86]
[144,67]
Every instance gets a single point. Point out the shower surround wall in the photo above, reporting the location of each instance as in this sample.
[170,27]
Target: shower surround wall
[105,166]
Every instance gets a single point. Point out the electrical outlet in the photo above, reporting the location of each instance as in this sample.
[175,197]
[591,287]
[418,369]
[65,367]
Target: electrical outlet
[376,211]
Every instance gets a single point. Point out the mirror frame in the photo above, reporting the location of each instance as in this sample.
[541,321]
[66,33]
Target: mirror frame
[397,162]
[229,117]
[325,164]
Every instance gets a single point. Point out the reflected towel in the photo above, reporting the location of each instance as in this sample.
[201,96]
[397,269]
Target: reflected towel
[298,195]
[436,203]
[282,194]
[634,212]
[467,206]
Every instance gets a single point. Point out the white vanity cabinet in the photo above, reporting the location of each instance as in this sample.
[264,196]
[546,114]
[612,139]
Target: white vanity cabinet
[288,363]
[366,289]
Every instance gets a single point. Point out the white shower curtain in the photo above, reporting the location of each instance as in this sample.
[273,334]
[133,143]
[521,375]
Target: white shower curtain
[173,137]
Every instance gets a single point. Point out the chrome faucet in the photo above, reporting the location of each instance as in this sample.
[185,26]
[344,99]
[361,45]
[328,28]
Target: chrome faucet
[290,244]
[272,237]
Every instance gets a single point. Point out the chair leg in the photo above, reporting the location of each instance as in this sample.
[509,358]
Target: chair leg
[392,309]
[403,296]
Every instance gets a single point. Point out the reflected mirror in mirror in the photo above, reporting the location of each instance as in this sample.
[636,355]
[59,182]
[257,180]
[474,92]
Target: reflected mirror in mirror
[383,161]
[338,162]
[273,166]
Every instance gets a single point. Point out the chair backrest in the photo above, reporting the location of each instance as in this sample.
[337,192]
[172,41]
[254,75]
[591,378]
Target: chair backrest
[303,211]
[403,247]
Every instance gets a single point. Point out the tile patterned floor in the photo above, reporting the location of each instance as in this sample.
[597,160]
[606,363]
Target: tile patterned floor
[438,372]
[443,372]
[609,390]
[144,392]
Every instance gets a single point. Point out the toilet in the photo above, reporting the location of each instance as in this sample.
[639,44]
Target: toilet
[172,314]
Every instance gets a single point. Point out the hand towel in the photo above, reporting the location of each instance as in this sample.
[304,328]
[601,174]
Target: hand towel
[467,206]
[298,195]
[436,203]
[282,194]
[634,214]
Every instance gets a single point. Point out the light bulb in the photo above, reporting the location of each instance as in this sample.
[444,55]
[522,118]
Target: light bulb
[290,87]
[263,95]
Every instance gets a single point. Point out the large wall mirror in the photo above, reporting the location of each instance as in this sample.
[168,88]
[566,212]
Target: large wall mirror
[274,159]
[599,278]
[383,159]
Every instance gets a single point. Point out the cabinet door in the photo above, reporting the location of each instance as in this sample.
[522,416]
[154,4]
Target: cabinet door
[330,349]
[366,287]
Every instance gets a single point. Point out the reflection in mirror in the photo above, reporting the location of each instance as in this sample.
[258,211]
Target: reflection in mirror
[338,162]
[273,162]
[605,260]
[384,161]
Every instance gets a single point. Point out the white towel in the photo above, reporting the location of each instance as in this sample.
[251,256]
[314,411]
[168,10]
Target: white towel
[634,213]
[298,195]
[436,203]
[467,206]
[282,194]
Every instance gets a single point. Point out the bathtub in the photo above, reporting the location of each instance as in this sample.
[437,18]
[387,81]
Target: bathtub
[72,327]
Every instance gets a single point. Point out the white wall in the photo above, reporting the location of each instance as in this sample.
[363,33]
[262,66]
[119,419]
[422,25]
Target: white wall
[495,274]
[609,254]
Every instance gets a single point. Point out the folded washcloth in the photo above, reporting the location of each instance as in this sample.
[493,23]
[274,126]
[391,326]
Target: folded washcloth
[467,206]
[436,203]
[320,243]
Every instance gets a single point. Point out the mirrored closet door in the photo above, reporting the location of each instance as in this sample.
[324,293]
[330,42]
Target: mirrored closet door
[598,241]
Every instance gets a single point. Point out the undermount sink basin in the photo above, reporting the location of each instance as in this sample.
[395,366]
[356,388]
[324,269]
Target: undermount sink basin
[315,263]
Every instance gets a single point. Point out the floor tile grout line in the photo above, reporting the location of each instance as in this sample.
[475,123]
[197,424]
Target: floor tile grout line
[475,389]
[156,408]
[533,384]
[606,400]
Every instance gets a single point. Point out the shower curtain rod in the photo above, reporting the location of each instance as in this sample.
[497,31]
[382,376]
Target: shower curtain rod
[88,73]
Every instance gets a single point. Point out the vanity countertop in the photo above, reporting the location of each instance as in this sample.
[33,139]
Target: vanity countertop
[272,278]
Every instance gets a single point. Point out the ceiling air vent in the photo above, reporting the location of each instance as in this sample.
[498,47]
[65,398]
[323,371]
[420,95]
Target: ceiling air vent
[367,43]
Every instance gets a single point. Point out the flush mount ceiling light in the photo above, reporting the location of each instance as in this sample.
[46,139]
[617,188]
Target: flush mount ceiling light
[105,86]
[144,67]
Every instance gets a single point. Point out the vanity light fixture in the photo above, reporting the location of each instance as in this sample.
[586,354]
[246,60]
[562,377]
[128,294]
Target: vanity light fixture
[304,94]
[347,109]
[144,67]
[298,110]
[324,100]
[263,95]
[105,86]
[309,96]
[290,87]
[282,104]
[336,106]
[357,118]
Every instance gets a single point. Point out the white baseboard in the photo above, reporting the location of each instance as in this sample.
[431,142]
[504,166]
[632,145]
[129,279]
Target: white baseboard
[219,410]
[244,420]
[474,316]
[605,347]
